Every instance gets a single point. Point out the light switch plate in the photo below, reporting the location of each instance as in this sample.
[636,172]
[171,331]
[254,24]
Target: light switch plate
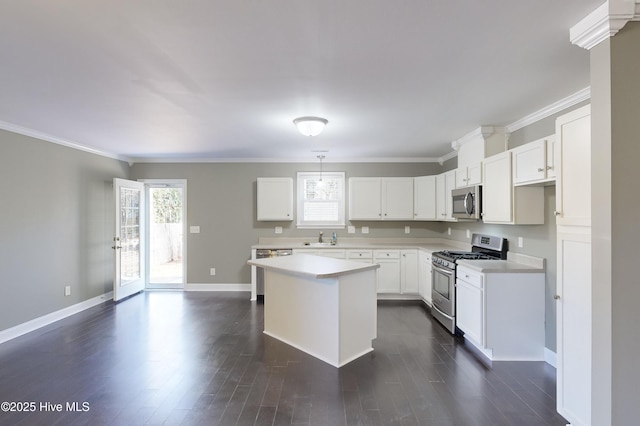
[278,230]
[351,229]
[468,234]
[194,229]
[365,229]
[449,231]
[520,242]
[212,271]
[407,229]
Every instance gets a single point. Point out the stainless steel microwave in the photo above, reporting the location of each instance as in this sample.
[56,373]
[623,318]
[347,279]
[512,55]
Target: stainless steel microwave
[467,202]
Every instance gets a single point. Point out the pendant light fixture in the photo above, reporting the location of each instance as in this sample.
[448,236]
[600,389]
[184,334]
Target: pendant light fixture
[310,126]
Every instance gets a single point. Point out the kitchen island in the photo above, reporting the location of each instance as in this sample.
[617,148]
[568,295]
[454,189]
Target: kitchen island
[323,306]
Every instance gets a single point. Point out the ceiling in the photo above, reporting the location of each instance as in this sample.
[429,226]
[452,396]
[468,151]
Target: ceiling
[203,80]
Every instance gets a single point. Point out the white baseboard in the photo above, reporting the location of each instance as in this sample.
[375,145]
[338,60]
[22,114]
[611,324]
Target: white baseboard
[550,357]
[34,324]
[217,287]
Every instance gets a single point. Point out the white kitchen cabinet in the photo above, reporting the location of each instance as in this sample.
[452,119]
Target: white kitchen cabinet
[502,314]
[532,163]
[365,198]
[424,275]
[424,198]
[574,281]
[389,271]
[504,203]
[334,253]
[468,175]
[365,256]
[573,180]
[445,183]
[409,283]
[381,198]
[275,199]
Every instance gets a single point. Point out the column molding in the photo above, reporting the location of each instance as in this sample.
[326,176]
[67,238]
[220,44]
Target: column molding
[604,22]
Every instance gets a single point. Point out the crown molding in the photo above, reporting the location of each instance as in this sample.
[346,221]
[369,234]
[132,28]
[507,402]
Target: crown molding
[604,22]
[481,132]
[554,108]
[59,141]
[169,160]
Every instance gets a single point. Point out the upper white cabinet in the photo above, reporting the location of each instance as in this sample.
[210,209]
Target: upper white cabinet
[424,198]
[381,198]
[534,162]
[275,199]
[504,203]
[445,183]
[573,180]
[469,175]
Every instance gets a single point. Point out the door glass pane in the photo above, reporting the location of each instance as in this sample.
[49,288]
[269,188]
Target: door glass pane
[129,235]
[165,235]
[441,284]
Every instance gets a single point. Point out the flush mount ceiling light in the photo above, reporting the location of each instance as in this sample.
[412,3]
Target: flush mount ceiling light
[310,126]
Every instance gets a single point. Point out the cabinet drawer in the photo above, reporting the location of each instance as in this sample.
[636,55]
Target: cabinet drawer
[387,254]
[335,253]
[470,277]
[360,254]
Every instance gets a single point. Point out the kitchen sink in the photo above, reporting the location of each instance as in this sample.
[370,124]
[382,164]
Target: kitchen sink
[319,244]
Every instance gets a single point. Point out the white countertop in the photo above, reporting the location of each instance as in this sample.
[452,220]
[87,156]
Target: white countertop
[515,263]
[313,266]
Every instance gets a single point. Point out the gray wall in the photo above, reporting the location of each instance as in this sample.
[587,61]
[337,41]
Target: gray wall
[56,227]
[221,199]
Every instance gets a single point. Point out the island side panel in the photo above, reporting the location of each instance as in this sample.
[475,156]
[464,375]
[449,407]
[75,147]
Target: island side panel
[303,312]
[358,314]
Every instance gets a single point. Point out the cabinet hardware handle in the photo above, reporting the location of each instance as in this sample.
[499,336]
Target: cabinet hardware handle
[540,169]
[549,167]
[556,297]
[557,213]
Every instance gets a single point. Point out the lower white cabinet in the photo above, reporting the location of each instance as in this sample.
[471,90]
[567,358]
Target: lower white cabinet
[365,256]
[389,271]
[398,272]
[424,276]
[409,271]
[502,314]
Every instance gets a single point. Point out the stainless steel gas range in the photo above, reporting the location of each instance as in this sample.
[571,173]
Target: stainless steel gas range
[443,294]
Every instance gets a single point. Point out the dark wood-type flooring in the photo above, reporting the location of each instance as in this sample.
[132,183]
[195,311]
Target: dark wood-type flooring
[201,358]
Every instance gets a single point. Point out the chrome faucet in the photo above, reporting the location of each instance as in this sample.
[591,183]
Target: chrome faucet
[320,238]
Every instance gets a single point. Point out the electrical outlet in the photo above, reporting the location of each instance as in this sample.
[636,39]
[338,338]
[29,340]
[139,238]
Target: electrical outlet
[365,229]
[278,230]
[67,290]
[351,229]
[407,229]
[468,233]
[520,242]
[448,231]
[194,229]
[213,271]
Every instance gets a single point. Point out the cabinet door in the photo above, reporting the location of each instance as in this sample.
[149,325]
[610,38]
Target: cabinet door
[441,207]
[388,275]
[529,162]
[573,157]
[449,185]
[497,192]
[474,174]
[364,199]
[551,157]
[461,177]
[424,198]
[470,311]
[424,277]
[274,199]
[409,271]
[397,198]
[574,328]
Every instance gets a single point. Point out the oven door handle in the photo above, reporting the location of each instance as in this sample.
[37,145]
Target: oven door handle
[442,270]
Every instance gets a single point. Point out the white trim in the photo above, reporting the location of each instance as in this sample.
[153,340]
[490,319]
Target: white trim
[286,160]
[36,323]
[550,357]
[54,139]
[554,108]
[447,157]
[604,22]
[217,287]
[481,132]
